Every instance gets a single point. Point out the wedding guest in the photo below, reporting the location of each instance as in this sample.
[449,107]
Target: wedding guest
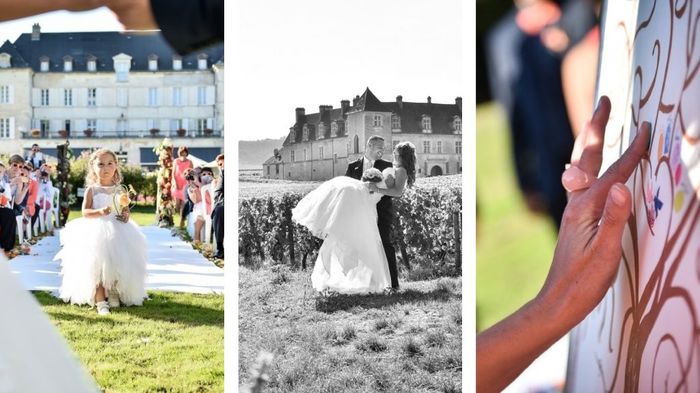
[35,177]
[195,195]
[178,182]
[217,214]
[8,224]
[29,202]
[35,157]
[586,259]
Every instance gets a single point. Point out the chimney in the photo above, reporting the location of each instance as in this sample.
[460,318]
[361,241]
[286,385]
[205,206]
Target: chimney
[36,32]
[301,116]
[399,101]
[344,107]
[429,100]
[354,100]
[458,101]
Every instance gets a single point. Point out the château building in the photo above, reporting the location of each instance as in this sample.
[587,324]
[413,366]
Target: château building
[122,91]
[320,145]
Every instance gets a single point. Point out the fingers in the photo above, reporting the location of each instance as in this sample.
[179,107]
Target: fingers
[574,179]
[617,211]
[589,155]
[621,169]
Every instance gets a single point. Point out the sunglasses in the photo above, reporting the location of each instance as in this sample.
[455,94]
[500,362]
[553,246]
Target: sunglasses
[16,165]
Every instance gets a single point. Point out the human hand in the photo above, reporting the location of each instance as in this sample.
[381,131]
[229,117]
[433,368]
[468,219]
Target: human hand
[14,9]
[133,14]
[105,210]
[589,249]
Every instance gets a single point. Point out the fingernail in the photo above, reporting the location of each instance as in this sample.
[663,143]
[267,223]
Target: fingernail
[597,107]
[648,127]
[617,195]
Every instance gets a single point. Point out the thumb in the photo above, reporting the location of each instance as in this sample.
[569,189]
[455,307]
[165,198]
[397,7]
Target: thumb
[608,239]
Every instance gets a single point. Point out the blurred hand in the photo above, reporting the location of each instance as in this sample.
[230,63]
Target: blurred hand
[133,14]
[106,210]
[589,249]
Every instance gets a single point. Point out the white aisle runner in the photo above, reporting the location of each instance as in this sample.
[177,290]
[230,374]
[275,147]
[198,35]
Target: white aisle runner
[173,265]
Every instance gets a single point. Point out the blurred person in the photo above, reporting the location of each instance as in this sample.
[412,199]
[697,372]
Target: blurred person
[585,262]
[525,79]
[217,215]
[29,202]
[8,224]
[35,157]
[178,181]
[198,209]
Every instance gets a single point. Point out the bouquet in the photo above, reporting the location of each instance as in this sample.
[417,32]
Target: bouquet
[372,175]
[122,198]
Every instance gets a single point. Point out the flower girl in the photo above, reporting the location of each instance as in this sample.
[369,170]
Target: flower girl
[104,253]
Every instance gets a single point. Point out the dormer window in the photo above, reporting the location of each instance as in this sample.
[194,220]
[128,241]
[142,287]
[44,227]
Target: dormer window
[122,65]
[427,124]
[177,63]
[202,61]
[292,135]
[44,64]
[67,64]
[5,60]
[457,124]
[377,120]
[321,131]
[152,62]
[395,122]
[305,133]
[334,129]
[92,63]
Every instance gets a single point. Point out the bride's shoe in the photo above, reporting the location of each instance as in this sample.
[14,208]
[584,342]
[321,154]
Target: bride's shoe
[102,307]
[113,299]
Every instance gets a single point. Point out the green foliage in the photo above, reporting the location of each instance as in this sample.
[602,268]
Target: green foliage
[423,231]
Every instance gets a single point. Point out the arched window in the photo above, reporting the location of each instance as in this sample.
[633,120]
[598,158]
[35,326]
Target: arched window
[356,144]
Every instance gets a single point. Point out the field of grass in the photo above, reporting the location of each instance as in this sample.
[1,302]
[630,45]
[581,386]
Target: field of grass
[513,247]
[173,343]
[404,342]
[144,215]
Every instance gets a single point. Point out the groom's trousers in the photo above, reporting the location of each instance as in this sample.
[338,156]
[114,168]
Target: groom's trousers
[384,223]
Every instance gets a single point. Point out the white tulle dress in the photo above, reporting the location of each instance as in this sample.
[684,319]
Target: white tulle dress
[344,213]
[102,250]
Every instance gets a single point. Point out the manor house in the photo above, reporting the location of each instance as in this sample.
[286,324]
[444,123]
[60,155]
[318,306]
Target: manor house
[122,91]
[319,146]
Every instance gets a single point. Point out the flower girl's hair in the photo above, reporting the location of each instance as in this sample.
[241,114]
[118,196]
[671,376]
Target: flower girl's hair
[91,177]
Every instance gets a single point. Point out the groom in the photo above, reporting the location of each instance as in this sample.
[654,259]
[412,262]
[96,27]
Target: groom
[385,210]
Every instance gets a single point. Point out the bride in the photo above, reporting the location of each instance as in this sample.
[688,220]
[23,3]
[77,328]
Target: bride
[343,212]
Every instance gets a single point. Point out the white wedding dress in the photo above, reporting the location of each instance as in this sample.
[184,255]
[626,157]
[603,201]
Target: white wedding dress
[102,250]
[344,213]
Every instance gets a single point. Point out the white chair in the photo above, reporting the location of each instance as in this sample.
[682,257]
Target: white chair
[55,210]
[208,207]
[40,225]
[24,232]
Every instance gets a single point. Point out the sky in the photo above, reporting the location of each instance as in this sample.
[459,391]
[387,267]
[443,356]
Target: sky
[318,52]
[97,20]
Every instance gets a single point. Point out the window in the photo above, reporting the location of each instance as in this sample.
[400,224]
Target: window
[68,97]
[92,96]
[44,126]
[305,133]
[152,124]
[177,63]
[153,63]
[122,97]
[4,128]
[335,157]
[202,124]
[304,154]
[44,64]
[356,144]
[44,97]
[426,146]
[277,169]
[92,64]
[395,122]
[4,94]
[320,153]
[92,124]
[458,147]
[377,120]
[5,60]
[427,124]
[292,156]
[439,146]
[334,129]
[268,170]
[122,65]
[202,61]
[458,125]
[67,64]
[201,95]
[153,96]
[177,96]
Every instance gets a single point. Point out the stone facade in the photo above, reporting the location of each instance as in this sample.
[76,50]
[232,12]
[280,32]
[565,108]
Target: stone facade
[320,146]
[120,91]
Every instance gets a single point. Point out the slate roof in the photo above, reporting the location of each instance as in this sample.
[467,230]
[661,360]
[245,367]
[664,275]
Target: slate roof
[410,113]
[102,45]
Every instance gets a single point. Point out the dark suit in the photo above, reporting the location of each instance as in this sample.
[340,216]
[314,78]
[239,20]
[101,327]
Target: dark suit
[190,24]
[217,215]
[385,216]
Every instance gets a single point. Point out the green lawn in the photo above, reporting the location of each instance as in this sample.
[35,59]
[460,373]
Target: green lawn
[513,248]
[173,343]
[144,215]
[404,342]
